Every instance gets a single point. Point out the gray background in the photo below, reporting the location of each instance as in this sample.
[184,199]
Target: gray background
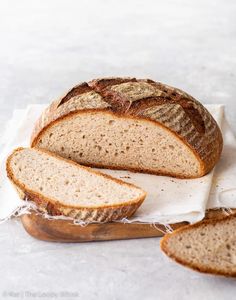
[48,46]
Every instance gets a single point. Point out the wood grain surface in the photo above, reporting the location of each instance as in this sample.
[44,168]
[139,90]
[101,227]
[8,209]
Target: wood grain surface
[66,231]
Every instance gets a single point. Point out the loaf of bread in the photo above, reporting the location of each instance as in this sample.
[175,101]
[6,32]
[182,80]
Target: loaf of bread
[63,187]
[131,124]
[208,246]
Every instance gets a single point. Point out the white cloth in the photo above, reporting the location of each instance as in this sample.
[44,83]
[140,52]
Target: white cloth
[168,201]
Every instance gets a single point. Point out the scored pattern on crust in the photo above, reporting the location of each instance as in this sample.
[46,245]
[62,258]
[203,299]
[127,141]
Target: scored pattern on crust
[134,91]
[58,108]
[145,98]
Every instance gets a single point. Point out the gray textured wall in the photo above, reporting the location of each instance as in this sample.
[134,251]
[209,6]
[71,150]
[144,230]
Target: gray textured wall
[47,46]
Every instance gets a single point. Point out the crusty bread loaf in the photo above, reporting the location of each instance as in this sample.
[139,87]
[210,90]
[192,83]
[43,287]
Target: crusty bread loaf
[125,123]
[62,187]
[207,246]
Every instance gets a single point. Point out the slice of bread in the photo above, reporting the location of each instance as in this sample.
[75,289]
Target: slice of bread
[132,124]
[63,187]
[207,246]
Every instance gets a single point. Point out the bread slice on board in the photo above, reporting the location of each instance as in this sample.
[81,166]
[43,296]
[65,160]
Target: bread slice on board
[208,246]
[126,123]
[62,187]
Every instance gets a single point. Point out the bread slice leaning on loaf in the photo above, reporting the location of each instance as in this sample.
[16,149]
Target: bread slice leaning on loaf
[207,246]
[62,187]
[126,123]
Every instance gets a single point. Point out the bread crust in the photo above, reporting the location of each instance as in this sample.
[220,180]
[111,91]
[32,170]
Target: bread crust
[202,269]
[123,167]
[196,127]
[104,213]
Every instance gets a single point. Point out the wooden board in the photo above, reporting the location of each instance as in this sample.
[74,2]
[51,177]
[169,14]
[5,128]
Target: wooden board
[66,231]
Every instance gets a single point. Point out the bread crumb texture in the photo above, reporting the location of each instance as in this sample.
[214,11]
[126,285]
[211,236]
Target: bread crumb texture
[208,246]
